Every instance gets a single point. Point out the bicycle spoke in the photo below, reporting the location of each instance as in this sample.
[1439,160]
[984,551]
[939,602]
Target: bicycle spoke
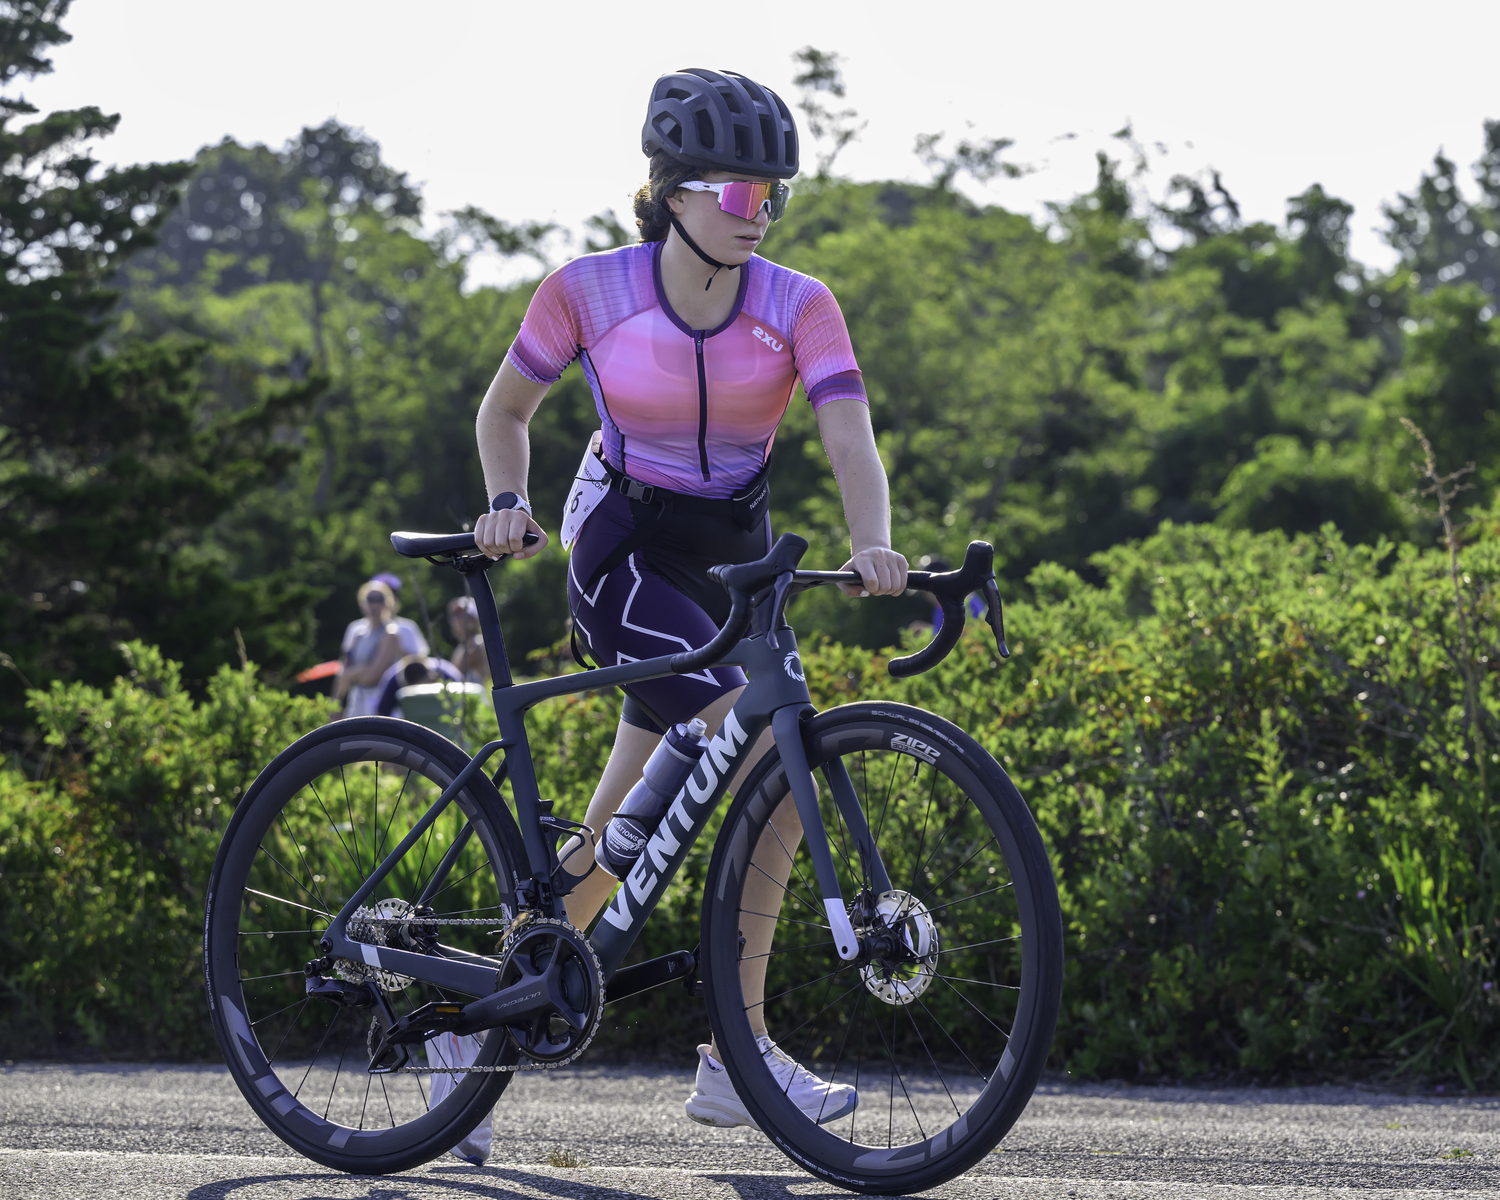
[976,1008]
[311,891]
[272,975]
[985,1078]
[966,899]
[297,846]
[337,1013]
[278,1012]
[975,945]
[369,1079]
[785,888]
[283,900]
[982,983]
[395,808]
[353,826]
[960,867]
[799,987]
[287,1034]
[791,920]
[457,881]
[957,1112]
[800,877]
[922,841]
[334,825]
[387,1096]
[337,1071]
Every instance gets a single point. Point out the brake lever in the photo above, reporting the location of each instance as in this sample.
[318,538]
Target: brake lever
[779,591]
[995,614]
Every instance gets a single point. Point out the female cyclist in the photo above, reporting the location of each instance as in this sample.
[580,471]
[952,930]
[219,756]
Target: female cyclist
[693,345]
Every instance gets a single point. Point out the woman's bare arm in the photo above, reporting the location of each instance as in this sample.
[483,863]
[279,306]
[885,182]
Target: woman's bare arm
[849,440]
[505,454]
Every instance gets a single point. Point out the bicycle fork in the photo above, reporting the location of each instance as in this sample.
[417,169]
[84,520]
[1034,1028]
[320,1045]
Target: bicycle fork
[786,724]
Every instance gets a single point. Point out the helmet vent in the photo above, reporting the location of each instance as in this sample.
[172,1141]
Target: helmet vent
[705,130]
[731,99]
[767,135]
[678,94]
[742,143]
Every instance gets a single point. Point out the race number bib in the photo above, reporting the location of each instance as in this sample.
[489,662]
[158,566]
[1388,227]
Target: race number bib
[589,486]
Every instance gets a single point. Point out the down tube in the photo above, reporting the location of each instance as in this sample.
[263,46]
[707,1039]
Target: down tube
[642,888]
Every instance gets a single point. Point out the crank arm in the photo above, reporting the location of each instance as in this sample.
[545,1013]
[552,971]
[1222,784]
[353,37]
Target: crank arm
[423,1023]
[787,726]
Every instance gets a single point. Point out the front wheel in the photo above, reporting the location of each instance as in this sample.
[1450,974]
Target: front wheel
[944,1023]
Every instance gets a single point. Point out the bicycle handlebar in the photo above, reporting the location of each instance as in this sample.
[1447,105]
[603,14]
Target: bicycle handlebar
[747,582]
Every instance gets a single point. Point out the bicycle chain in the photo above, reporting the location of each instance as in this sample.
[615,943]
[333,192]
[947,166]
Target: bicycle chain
[512,928]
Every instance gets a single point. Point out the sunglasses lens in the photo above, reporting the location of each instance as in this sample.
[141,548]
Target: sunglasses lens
[780,194]
[744,200]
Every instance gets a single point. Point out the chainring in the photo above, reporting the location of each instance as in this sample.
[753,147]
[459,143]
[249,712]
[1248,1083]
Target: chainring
[555,950]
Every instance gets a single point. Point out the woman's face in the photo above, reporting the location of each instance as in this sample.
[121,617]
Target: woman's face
[375,604]
[728,238]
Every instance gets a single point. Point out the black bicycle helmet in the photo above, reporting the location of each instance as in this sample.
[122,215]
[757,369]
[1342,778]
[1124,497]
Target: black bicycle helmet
[721,121]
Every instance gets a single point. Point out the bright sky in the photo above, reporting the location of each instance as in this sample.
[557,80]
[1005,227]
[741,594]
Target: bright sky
[533,111]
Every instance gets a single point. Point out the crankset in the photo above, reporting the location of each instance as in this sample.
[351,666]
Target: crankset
[557,961]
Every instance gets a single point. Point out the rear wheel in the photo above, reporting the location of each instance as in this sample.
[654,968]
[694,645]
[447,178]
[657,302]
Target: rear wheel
[313,827]
[945,1021]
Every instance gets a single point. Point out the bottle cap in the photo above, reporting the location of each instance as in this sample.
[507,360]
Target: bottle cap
[697,727]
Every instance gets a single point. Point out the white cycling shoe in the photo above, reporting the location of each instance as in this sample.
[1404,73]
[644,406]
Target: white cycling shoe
[714,1102]
[450,1050]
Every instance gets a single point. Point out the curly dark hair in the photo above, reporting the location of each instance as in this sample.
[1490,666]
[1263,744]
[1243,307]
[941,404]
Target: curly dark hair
[665,175]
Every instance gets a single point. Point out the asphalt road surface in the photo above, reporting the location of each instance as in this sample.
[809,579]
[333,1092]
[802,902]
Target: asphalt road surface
[122,1132]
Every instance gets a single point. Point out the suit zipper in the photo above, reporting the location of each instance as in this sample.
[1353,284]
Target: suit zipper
[702,407]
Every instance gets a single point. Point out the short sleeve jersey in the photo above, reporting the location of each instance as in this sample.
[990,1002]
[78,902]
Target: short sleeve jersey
[691,410]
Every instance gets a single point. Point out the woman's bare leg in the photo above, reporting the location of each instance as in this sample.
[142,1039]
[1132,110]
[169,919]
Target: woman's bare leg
[764,890]
[633,746]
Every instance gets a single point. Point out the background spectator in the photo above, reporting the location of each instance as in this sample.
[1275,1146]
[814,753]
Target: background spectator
[409,672]
[412,641]
[470,658]
[371,646]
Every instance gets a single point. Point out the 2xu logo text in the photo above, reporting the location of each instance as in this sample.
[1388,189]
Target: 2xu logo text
[767,338]
[910,745]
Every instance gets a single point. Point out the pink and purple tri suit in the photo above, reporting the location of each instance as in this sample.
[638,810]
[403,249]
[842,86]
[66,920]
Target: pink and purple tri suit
[692,413]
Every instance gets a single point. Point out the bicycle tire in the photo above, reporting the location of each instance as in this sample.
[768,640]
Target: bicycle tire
[1020,998]
[281,863]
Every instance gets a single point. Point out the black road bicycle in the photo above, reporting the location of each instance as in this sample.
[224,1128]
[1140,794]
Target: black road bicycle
[374,892]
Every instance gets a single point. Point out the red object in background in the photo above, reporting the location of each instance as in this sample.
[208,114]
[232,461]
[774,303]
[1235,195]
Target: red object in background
[322,671]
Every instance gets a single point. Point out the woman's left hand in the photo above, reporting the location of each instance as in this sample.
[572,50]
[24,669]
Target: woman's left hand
[881,568]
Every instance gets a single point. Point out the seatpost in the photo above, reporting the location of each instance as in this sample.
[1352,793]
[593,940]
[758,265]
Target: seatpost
[489,619]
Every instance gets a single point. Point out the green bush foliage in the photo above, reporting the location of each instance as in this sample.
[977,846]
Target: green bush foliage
[1254,757]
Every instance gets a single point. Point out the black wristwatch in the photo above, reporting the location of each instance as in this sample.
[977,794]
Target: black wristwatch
[509,500]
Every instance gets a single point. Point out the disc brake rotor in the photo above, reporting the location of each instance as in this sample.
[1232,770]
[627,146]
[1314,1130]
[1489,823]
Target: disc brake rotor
[905,947]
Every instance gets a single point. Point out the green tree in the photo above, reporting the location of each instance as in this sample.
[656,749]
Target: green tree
[113,456]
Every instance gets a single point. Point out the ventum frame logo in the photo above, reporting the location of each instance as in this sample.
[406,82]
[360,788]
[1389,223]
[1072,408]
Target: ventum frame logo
[793,667]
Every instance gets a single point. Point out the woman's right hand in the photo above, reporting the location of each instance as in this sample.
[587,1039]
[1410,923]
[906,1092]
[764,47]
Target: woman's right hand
[499,533]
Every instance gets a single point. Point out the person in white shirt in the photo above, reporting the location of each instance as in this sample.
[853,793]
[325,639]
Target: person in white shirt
[371,645]
[412,641]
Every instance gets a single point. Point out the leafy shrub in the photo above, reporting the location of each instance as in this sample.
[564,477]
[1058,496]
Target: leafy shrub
[1253,758]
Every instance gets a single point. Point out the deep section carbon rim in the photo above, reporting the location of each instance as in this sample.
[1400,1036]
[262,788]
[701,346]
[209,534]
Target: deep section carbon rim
[315,827]
[943,1024]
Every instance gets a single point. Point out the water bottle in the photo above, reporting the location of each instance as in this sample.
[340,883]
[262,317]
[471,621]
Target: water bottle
[636,820]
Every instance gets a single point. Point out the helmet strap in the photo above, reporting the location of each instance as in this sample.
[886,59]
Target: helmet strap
[698,250]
